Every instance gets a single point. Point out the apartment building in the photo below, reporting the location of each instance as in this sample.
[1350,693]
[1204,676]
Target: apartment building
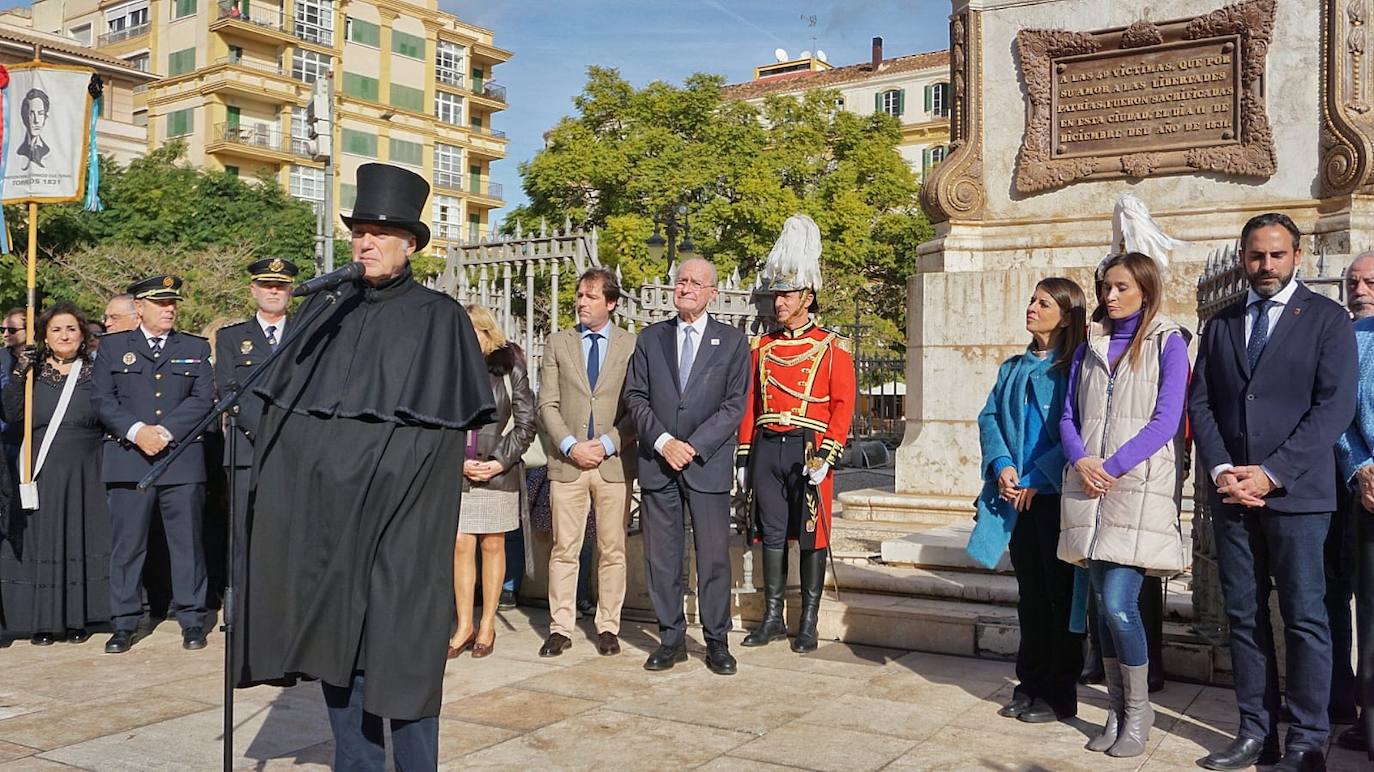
[913,88]
[119,133]
[413,86]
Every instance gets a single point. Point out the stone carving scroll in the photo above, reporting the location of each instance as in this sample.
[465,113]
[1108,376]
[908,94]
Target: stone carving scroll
[954,189]
[1182,96]
[1347,124]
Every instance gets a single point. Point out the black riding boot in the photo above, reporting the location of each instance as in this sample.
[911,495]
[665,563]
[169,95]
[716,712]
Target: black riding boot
[774,625]
[812,583]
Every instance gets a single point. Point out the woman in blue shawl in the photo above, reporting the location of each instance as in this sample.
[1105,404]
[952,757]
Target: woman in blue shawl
[1023,467]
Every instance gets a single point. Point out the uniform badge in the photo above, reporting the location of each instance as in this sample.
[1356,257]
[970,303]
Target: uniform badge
[245,347]
[167,282]
[129,358]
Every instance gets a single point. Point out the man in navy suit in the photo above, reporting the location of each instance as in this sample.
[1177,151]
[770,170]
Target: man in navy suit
[686,388]
[1274,388]
[151,386]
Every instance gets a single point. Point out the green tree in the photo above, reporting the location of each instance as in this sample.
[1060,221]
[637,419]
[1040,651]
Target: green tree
[628,154]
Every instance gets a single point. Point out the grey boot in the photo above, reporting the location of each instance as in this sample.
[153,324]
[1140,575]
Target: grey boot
[1138,716]
[774,626]
[1112,669]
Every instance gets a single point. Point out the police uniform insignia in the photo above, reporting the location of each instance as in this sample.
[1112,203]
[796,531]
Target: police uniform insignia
[276,265]
[167,281]
[129,358]
[245,347]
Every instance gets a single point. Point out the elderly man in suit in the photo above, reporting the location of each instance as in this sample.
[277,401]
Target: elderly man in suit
[1274,389]
[686,390]
[151,386]
[580,409]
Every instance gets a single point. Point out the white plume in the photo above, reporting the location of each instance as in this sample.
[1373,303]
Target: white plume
[1133,230]
[796,256]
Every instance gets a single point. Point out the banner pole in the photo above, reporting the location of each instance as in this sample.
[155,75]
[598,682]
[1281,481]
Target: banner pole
[26,461]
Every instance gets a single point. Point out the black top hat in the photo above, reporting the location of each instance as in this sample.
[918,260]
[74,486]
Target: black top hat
[390,195]
[273,269]
[161,287]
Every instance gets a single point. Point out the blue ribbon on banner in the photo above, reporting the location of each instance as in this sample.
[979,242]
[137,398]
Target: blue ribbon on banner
[93,203]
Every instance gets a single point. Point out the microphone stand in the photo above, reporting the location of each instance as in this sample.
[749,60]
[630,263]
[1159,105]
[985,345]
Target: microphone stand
[224,406]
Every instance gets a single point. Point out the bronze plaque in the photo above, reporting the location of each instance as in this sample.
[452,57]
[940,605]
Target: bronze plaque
[1182,96]
[1165,97]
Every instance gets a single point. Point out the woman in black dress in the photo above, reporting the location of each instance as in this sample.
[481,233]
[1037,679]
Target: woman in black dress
[55,560]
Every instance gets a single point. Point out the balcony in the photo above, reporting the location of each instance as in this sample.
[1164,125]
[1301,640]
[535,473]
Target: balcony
[259,141]
[260,22]
[253,79]
[491,91]
[487,131]
[486,189]
[121,35]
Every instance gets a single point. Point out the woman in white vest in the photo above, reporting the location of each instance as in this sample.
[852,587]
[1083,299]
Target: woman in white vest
[1119,509]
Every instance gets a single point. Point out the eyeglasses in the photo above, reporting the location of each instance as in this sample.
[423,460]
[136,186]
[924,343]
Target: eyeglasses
[692,283]
[11,330]
[108,317]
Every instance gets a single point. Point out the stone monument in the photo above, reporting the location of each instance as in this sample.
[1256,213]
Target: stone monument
[1210,111]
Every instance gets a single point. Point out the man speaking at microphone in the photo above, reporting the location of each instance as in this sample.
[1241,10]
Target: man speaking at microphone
[356,493]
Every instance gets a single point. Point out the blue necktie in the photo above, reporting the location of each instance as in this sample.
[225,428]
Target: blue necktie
[272,336]
[684,362]
[156,344]
[593,370]
[1259,333]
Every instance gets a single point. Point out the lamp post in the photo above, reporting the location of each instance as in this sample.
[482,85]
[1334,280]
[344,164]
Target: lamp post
[684,250]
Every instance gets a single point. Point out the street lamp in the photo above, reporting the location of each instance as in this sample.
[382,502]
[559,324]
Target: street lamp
[677,251]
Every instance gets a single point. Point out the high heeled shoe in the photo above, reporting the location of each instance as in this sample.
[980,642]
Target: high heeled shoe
[480,650]
[454,651]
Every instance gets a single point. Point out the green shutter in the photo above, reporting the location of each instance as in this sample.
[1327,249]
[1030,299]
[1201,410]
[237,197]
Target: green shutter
[878,102]
[360,143]
[181,62]
[406,44]
[925,161]
[403,152]
[360,86]
[901,101]
[184,8]
[181,122]
[233,114]
[348,195]
[364,32]
[475,178]
[930,98]
[477,77]
[232,171]
[407,98]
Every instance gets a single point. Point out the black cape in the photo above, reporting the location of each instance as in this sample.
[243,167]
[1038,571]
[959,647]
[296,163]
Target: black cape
[357,478]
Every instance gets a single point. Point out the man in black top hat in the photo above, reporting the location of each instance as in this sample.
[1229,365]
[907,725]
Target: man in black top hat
[354,514]
[239,350]
[151,385]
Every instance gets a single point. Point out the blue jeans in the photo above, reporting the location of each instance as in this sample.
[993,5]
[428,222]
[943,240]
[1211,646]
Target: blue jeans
[1120,633]
[360,743]
[1254,545]
[515,559]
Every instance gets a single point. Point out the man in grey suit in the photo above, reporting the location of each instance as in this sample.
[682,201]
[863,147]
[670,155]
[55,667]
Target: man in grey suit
[686,389]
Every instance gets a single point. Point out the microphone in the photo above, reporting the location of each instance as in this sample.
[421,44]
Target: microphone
[351,272]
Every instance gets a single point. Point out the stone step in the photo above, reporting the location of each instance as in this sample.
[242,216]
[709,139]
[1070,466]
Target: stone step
[941,547]
[888,506]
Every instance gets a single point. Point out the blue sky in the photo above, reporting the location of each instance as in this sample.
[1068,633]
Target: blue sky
[553,41]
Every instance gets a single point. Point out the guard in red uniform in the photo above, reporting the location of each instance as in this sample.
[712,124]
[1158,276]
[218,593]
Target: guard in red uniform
[796,420]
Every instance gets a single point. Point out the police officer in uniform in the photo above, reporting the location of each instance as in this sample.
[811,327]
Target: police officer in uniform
[239,350]
[796,421]
[151,385]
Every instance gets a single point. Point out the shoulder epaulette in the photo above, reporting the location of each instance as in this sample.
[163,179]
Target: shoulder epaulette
[846,345]
[193,335]
[231,326]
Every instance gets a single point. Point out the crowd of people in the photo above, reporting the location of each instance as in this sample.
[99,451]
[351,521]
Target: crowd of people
[1083,442]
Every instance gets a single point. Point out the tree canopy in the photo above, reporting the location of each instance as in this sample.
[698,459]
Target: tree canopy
[628,154]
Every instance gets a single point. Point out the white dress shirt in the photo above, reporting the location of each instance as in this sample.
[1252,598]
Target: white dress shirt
[279,328]
[680,330]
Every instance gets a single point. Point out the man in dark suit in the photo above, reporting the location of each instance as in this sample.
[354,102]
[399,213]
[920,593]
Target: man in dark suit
[239,350]
[151,386]
[686,390]
[1274,389]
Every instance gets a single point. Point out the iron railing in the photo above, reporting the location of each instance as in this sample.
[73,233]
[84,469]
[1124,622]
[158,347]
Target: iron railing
[128,33]
[267,16]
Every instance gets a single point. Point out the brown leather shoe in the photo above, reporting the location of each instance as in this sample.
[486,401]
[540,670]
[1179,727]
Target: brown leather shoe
[480,650]
[554,645]
[607,643]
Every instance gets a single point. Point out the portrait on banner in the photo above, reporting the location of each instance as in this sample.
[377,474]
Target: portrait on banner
[46,133]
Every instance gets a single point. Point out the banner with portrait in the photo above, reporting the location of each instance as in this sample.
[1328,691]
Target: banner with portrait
[47,133]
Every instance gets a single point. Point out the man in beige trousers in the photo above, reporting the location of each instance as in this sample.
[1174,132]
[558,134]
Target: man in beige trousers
[580,407]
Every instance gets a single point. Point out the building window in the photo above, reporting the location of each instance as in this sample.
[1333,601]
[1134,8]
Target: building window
[181,122]
[300,130]
[360,143]
[125,19]
[232,171]
[931,157]
[407,98]
[307,183]
[82,34]
[183,8]
[409,153]
[474,227]
[181,62]
[448,166]
[235,54]
[363,32]
[309,66]
[360,86]
[348,195]
[891,102]
[405,44]
[140,118]
[140,62]
[315,21]
[448,108]
[447,214]
[937,99]
[448,63]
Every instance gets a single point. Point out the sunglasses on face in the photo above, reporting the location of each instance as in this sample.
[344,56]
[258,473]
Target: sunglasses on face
[11,330]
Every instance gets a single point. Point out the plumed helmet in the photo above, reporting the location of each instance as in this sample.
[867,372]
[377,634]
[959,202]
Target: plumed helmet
[795,262]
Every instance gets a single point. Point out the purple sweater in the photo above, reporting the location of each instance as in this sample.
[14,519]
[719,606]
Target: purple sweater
[1168,415]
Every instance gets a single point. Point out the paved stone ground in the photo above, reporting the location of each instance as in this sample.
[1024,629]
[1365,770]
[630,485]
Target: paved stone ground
[841,708]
